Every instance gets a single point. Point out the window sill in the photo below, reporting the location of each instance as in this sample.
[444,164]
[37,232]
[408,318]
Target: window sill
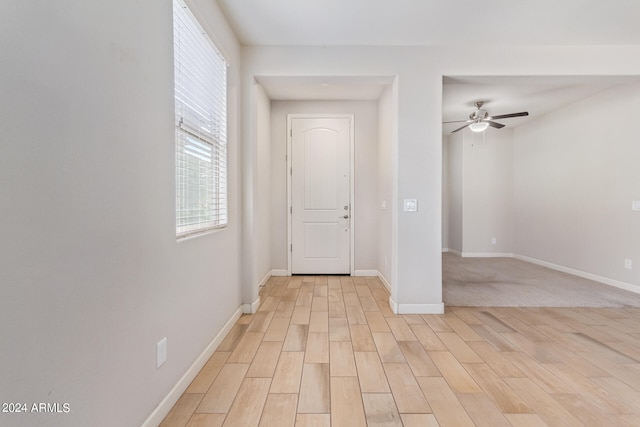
[200,233]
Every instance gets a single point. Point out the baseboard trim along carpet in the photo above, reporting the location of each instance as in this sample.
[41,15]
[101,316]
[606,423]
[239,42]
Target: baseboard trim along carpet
[486,255]
[518,282]
[607,281]
[167,403]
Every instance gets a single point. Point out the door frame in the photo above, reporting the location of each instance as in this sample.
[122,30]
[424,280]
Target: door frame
[352,210]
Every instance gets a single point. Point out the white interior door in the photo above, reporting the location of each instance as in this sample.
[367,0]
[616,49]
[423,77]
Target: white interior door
[320,195]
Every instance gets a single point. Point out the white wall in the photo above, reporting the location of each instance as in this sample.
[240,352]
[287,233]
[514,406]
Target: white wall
[455,172]
[445,193]
[262,209]
[387,176]
[487,191]
[575,175]
[91,275]
[256,201]
[366,172]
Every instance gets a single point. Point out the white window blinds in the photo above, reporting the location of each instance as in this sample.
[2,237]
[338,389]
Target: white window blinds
[201,127]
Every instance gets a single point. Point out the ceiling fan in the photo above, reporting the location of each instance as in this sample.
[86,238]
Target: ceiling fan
[480,119]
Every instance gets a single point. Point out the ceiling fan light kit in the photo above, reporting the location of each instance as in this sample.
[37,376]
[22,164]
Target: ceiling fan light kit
[479,126]
[480,119]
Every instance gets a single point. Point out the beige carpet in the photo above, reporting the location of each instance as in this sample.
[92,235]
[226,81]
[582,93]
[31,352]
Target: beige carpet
[508,282]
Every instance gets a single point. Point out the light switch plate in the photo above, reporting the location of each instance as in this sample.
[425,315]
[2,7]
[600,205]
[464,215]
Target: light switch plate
[410,205]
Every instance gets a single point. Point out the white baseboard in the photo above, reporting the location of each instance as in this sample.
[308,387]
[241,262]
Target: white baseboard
[416,308]
[480,254]
[607,281]
[167,403]
[265,279]
[279,273]
[601,279]
[385,282]
[366,273]
[374,273]
[486,255]
[252,307]
[445,249]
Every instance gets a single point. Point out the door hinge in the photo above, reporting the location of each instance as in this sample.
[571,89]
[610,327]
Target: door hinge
[291,210]
[291,132]
[291,171]
[292,247]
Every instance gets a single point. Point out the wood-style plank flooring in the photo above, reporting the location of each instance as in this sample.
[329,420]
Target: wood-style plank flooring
[328,351]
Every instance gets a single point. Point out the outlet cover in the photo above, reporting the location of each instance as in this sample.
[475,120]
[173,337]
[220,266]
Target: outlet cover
[494,241]
[635,205]
[628,264]
[161,352]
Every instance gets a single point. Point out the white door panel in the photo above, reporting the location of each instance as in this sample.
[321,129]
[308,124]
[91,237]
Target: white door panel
[320,169]
[321,240]
[320,193]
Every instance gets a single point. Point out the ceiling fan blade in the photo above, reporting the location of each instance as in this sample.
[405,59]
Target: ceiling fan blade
[507,116]
[495,124]
[459,121]
[467,125]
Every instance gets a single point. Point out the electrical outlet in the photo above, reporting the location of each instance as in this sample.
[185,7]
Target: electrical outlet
[161,352]
[494,241]
[628,264]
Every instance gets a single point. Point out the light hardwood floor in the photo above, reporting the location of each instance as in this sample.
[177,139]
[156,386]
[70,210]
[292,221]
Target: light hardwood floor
[328,351]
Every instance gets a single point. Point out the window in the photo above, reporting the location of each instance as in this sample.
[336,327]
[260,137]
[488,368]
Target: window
[201,127]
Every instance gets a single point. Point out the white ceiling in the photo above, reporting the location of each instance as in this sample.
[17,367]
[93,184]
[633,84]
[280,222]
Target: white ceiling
[440,22]
[324,88]
[434,22]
